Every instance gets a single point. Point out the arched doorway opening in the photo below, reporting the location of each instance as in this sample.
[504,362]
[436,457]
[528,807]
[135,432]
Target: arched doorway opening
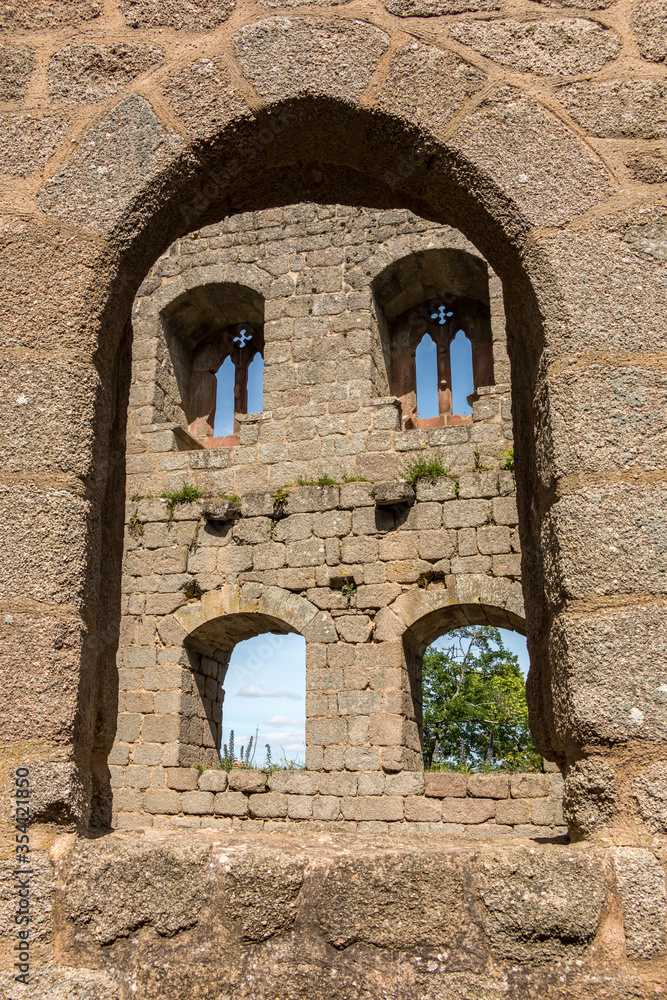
[376,160]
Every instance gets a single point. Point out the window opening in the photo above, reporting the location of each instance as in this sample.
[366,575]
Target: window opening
[426,364]
[256,384]
[460,353]
[223,423]
[440,353]
[475,714]
[228,370]
[265,691]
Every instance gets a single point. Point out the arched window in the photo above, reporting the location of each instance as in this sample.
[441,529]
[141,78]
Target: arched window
[256,384]
[264,699]
[463,385]
[475,715]
[426,376]
[228,372]
[223,424]
[440,353]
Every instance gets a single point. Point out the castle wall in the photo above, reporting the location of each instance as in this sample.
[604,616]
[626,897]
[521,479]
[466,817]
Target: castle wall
[359,567]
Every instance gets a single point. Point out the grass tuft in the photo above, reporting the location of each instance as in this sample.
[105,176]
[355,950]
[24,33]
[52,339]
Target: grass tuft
[427,467]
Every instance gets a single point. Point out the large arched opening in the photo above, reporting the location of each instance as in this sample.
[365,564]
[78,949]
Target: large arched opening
[323,149]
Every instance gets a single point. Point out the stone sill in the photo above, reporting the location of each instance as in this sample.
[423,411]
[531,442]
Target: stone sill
[346,496]
[455,831]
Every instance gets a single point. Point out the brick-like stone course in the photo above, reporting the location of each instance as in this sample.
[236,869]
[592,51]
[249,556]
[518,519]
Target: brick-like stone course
[477,805]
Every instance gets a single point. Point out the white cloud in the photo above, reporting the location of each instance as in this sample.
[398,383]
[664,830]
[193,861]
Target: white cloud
[281,720]
[281,737]
[257,691]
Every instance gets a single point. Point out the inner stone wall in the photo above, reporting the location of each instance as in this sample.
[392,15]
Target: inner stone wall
[369,569]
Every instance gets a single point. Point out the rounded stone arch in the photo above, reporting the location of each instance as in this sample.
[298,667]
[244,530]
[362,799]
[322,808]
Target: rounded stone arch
[203,635]
[471,600]
[446,265]
[314,138]
[206,287]
[424,615]
[232,613]
[412,278]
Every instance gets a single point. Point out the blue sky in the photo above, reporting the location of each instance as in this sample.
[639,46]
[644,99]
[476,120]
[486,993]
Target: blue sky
[427,375]
[224,403]
[266,687]
[427,383]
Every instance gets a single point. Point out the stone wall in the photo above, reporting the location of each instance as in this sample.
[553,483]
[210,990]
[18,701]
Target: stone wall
[368,571]
[479,806]
[318,272]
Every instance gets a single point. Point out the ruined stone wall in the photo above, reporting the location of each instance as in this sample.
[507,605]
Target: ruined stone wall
[368,571]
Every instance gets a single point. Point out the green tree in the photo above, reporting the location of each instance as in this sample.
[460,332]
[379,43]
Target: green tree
[475,710]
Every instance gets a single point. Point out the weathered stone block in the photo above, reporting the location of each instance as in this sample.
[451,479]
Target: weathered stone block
[550,47]
[300,806]
[16,66]
[418,809]
[190,15]
[88,74]
[648,24]
[271,804]
[386,730]
[354,703]
[161,728]
[464,513]
[354,628]
[641,882]
[362,759]
[452,82]
[198,803]
[182,779]
[513,811]
[529,786]
[213,781]
[124,148]
[377,595]
[371,783]
[488,786]
[435,544]
[204,97]
[463,810]
[507,565]
[231,804]
[395,492]
[326,807]
[546,812]
[406,783]
[493,540]
[444,785]
[555,898]
[162,802]
[326,731]
[246,780]
[376,807]
[338,784]
[294,782]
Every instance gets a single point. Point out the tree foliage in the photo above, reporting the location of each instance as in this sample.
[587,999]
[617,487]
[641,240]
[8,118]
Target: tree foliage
[475,710]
